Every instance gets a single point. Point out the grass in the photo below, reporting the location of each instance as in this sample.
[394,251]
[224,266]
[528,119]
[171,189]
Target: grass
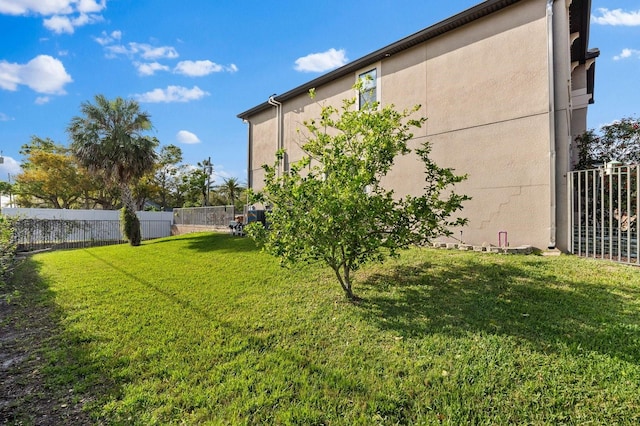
[204,328]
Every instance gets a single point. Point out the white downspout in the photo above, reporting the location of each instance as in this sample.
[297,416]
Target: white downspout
[278,105]
[249,147]
[552,127]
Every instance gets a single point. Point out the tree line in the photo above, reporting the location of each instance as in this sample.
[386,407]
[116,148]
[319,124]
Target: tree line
[616,141]
[110,163]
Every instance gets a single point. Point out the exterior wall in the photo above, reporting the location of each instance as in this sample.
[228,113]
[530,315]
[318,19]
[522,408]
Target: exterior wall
[485,90]
[487,101]
[263,145]
[562,120]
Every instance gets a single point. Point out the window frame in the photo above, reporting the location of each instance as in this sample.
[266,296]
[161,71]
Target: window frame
[361,74]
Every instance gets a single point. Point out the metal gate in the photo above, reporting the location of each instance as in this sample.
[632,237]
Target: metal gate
[603,217]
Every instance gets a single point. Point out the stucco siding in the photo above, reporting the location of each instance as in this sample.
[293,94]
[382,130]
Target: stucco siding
[507,165]
[485,90]
[263,145]
[494,78]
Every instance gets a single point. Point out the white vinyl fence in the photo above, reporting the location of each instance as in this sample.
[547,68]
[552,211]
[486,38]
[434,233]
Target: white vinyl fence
[55,228]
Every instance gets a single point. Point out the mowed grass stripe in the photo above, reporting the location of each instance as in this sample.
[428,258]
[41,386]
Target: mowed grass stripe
[204,328]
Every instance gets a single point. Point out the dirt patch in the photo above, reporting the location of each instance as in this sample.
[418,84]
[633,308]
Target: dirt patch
[29,331]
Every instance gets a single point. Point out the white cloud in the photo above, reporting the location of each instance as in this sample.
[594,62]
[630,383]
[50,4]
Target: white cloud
[627,53]
[201,68]
[63,16]
[172,94]
[617,17]
[5,117]
[41,100]
[319,62]
[59,24]
[108,38]
[43,74]
[150,68]
[145,51]
[51,7]
[91,6]
[115,50]
[149,52]
[197,68]
[38,7]
[220,174]
[186,137]
[9,167]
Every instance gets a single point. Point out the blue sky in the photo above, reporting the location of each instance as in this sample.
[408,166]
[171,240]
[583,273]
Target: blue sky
[194,65]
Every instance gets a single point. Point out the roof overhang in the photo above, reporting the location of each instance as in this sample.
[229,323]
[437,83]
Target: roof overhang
[580,16]
[479,11]
[580,11]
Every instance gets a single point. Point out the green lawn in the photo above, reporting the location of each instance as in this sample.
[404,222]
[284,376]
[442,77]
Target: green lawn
[205,328]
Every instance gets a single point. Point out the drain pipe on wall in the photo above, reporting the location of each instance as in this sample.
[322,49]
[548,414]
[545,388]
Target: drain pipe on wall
[279,144]
[552,128]
[249,162]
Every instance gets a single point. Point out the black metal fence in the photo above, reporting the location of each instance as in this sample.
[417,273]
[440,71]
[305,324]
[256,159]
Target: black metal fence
[38,234]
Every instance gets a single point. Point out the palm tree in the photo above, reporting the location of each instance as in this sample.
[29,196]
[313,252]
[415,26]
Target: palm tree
[230,189]
[108,140]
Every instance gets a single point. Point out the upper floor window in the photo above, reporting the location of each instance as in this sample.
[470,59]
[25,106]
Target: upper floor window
[368,93]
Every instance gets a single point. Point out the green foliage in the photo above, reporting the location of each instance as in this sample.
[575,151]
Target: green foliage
[130,226]
[331,206]
[109,141]
[165,178]
[193,188]
[51,177]
[231,192]
[618,141]
[6,188]
[7,247]
[205,329]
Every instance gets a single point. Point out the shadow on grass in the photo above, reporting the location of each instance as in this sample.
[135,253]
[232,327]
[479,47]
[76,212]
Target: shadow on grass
[213,241]
[184,304]
[55,379]
[529,302]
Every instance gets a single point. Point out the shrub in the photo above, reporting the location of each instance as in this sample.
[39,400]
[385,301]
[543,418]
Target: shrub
[7,247]
[130,225]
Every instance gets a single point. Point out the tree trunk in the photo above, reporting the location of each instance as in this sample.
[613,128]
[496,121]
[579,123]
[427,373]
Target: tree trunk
[345,282]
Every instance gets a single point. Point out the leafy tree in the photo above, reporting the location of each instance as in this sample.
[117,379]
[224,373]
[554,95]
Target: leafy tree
[207,169]
[107,197]
[50,176]
[196,184]
[331,206]
[193,187]
[39,144]
[6,188]
[166,175]
[618,141]
[108,139]
[8,247]
[230,190]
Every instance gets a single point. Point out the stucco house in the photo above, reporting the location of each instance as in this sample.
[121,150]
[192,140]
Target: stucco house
[505,86]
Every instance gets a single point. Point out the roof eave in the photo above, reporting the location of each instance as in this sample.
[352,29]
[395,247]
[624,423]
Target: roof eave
[474,13]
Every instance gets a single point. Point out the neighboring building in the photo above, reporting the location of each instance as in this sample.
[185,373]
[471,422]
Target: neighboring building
[505,86]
